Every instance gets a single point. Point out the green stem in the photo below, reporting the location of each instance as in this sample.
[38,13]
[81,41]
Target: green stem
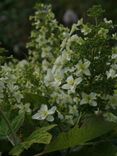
[96,21]
[9,126]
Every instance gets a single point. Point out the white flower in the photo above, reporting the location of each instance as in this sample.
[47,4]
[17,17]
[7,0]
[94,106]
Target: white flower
[114,56]
[80,41]
[82,68]
[64,98]
[72,83]
[22,64]
[2,86]
[18,96]
[23,108]
[74,28]
[49,77]
[58,61]
[114,36]
[80,22]
[45,65]
[58,77]
[111,74]
[88,99]
[66,56]
[60,116]
[74,38]
[107,22]
[103,32]
[45,114]
[73,110]
[85,30]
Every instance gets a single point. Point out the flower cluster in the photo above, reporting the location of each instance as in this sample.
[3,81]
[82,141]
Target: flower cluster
[83,76]
[11,96]
[69,72]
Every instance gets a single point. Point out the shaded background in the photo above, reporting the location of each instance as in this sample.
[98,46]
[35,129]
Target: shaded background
[14,19]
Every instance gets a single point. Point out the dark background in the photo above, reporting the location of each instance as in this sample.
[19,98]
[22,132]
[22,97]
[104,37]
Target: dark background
[14,19]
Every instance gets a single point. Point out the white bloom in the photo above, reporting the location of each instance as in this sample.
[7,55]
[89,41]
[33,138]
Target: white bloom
[45,114]
[74,38]
[80,22]
[18,96]
[45,65]
[74,28]
[2,86]
[85,30]
[114,36]
[22,64]
[111,73]
[73,110]
[65,98]
[114,56]
[80,40]
[58,61]
[107,22]
[61,97]
[72,83]
[76,99]
[88,99]
[49,77]
[82,68]
[66,56]
[60,116]
[24,108]
[58,77]
[103,32]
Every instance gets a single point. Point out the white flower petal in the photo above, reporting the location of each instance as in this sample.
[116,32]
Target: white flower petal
[50,118]
[87,72]
[52,110]
[44,108]
[36,116]
[83,101]
[93,103]
[78,81]
[66,86]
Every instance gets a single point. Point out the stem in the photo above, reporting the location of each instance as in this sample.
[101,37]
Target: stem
[14,142]
[78,120]
[11,141]
[96,21]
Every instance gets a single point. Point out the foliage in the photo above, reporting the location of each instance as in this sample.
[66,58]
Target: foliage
[40,136]
[79,136]
[69,78]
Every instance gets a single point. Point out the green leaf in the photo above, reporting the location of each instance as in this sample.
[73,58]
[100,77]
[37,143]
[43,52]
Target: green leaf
[3,130]
[100,149]
[15,125]
[94,128]
[17,122]
[39,136]
[35,98]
